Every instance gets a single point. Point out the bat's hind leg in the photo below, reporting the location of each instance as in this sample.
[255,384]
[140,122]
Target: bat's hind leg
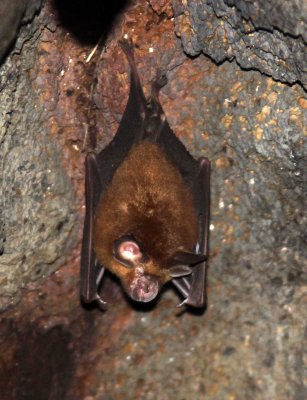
[155,118]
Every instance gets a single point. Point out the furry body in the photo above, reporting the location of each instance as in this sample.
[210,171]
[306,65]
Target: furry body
[147,205]
[149,200]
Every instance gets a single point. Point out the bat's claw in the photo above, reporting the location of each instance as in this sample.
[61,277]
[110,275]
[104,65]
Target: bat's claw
[182,303]
[127,47]
[160,80]
[101,303]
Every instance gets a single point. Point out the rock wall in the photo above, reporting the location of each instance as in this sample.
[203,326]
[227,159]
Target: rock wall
[267,36]
[242,104]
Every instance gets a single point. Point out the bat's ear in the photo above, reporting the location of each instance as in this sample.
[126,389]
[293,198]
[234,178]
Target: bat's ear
[177,271]
[187,258]
[181,261]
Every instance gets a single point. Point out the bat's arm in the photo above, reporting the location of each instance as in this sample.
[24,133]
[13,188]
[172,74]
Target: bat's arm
[197,294]
[91,271]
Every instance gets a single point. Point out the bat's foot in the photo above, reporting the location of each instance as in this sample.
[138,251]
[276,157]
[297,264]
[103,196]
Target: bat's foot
[159,82]
[101,303]
[127,47]
[161,79]
[126,44]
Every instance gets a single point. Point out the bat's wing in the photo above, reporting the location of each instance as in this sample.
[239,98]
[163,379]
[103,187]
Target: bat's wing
[143,119]
[90,269]
[100,169]
[193,287]
[131,126]
[196,174]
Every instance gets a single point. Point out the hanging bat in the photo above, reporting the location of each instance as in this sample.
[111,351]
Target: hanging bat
[147,206]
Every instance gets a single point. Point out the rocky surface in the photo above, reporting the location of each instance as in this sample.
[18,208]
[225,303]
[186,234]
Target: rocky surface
[251,341]
[13,14]
[37,199]
[267,36]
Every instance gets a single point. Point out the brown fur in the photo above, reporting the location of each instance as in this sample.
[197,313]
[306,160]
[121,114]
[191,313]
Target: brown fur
[148,199]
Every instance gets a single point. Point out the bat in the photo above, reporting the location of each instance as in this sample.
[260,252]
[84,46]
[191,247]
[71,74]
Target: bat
[147,206]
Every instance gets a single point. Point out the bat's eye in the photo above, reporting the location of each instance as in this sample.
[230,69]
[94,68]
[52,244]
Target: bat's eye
[127,251]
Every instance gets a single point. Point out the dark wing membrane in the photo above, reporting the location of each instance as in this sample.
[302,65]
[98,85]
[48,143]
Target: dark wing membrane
[138,121]
[193,287]
[88,275]
[197,176]
[100,169]
[130,129]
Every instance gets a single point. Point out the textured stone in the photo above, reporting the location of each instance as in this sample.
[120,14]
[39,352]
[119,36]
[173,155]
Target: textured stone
[289,17]
[267,36]
[37,200]
[252,128]
[251,341]
[12,15]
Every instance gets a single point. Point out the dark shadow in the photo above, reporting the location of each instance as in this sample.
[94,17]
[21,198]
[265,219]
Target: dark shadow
[142,307]
[111,291]
[43,365]
[191,310]
[88,20]
[147,307]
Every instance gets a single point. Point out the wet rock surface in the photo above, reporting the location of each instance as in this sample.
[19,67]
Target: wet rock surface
[250,343]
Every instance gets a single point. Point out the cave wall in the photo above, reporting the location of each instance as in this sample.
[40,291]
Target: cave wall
[242,104]
[267,36]
[38,215]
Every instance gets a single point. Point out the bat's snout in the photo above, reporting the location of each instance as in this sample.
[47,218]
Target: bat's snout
[144,288]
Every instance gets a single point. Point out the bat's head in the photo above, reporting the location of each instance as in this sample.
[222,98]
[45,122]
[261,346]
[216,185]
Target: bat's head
[137,278]
[143,277]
